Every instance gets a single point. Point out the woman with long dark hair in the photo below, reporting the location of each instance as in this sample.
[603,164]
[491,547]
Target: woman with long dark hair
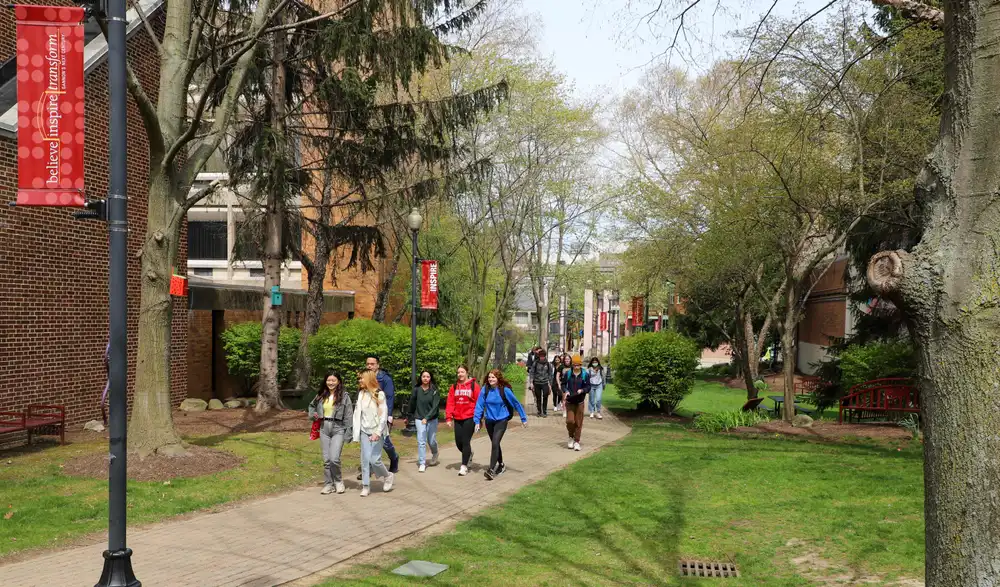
[458,413]
[497,403]
[333,406]
[424,408]
[596,373]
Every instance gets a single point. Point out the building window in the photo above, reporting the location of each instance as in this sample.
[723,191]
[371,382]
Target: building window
[203,271]
[255,273]
[207,241]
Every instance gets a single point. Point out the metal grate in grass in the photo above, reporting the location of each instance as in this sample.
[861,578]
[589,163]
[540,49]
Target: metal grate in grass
[708,569]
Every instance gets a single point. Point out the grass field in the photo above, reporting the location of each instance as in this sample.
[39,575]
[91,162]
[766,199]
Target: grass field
[625,515]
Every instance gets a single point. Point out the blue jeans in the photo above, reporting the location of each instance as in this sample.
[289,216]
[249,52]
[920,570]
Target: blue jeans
[371,460]
[426,434]
[594,401]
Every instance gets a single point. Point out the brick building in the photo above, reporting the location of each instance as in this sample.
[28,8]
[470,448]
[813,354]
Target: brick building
[826,317]
[54,269]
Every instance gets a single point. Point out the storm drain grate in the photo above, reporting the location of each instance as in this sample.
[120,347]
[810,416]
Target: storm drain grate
[708,569]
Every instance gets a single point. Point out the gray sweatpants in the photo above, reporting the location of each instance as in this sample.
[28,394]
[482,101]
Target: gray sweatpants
[331,438]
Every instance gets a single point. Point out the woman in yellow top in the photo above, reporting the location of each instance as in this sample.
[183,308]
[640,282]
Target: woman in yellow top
[334,407]
[370,427]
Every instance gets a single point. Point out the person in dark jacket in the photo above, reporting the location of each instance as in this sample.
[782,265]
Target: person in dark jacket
[576,386]
[333,406]
[540,378]
[425,404]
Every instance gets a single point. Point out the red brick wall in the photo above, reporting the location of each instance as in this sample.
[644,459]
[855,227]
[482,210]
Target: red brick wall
[825,314]
[54,270]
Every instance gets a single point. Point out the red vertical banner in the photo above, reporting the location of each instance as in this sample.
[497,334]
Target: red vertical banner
[604,322]
[658,321]
[639,311]
[428,285]
[50,106]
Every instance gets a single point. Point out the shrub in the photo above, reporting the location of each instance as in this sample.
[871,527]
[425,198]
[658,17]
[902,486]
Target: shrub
[859,363]
[655,368]
[241,343]
[517,376]
[725,421]
[345,346]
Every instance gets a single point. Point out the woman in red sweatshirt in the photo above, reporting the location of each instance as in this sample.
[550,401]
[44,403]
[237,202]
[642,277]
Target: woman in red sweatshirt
[460,408]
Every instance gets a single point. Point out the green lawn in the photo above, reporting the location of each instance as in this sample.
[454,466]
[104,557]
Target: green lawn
[707,397]
[625,515]
[50,508]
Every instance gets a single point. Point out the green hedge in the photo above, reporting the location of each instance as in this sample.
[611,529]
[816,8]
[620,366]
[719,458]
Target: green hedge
[242,345]
[859,363]
[345,346]
[655,368]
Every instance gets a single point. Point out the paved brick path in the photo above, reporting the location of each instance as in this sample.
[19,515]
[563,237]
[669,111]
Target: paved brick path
[280,539]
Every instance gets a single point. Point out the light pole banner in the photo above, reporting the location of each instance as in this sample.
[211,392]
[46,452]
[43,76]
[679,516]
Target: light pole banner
[428,285]
[50,105]
[604,322]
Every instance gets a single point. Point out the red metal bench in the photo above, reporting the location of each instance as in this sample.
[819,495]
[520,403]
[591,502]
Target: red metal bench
[879,399]
[39,419]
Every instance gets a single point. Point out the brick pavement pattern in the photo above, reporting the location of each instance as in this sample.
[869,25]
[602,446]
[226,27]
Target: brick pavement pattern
[283,538]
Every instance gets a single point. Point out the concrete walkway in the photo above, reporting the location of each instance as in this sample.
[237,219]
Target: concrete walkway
[280,539]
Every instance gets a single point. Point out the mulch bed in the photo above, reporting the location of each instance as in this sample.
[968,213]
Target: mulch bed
[828,431]
[239,420]
[199,461]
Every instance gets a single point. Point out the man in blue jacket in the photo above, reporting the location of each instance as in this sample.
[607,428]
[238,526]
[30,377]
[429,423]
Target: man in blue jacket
[389,389]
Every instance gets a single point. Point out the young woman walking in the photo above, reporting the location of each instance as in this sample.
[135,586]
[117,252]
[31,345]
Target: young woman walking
[370,427]
[596,373]
[335,409]
[576,386]
[565,364]
[425,404]
[497,403]
[458,412]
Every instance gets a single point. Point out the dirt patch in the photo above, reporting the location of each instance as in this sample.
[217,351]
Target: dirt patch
[810,564]
[821,430]
[199,461]
[238,421]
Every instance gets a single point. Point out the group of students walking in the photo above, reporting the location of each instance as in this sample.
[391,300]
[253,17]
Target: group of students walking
[568,383]
[369,422]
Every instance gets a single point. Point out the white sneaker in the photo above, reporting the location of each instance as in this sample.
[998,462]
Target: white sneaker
[340,487]
[564,414]
[463,471]
[570,443]
[421,468]
[576,446]
[599,416]
[365,491]
[592,415]
[387,484]
[327,490]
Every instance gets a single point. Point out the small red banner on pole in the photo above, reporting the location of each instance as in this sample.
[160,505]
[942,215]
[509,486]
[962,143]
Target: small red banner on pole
[428,285]
[50,106]
[604,322]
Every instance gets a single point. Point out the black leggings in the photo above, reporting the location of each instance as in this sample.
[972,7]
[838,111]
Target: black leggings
[496,430]
[464,429]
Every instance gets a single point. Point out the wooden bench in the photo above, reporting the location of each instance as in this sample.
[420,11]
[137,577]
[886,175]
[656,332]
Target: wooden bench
[38,420]
[880,399]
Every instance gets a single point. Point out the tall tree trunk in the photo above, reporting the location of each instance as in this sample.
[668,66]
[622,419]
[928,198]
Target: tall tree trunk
[789,350]
[268,391]
[385,287]
[314,312]
[151,427]
[947,287]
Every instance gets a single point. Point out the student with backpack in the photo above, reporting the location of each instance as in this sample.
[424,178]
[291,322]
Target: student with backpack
[596,373]
[458,412]
[540,377]
[497,404]
[562,364]
[576,385]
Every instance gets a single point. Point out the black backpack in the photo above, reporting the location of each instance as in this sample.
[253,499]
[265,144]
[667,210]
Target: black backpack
[506,402]
[546,376]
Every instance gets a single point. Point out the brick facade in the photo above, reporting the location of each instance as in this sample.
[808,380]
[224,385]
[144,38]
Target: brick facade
[54,269]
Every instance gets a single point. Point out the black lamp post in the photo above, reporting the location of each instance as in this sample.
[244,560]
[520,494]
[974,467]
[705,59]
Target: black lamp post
[117,558]
[414,220]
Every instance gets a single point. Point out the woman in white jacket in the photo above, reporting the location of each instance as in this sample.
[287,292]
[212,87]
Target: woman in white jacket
[370,426]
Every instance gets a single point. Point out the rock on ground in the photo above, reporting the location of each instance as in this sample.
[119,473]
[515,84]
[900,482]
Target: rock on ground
[802,421]
[215,404]
[233,403]
[194,405]
[94,425]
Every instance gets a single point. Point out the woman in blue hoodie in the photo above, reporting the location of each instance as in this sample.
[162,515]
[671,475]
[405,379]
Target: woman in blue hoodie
[497,403]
